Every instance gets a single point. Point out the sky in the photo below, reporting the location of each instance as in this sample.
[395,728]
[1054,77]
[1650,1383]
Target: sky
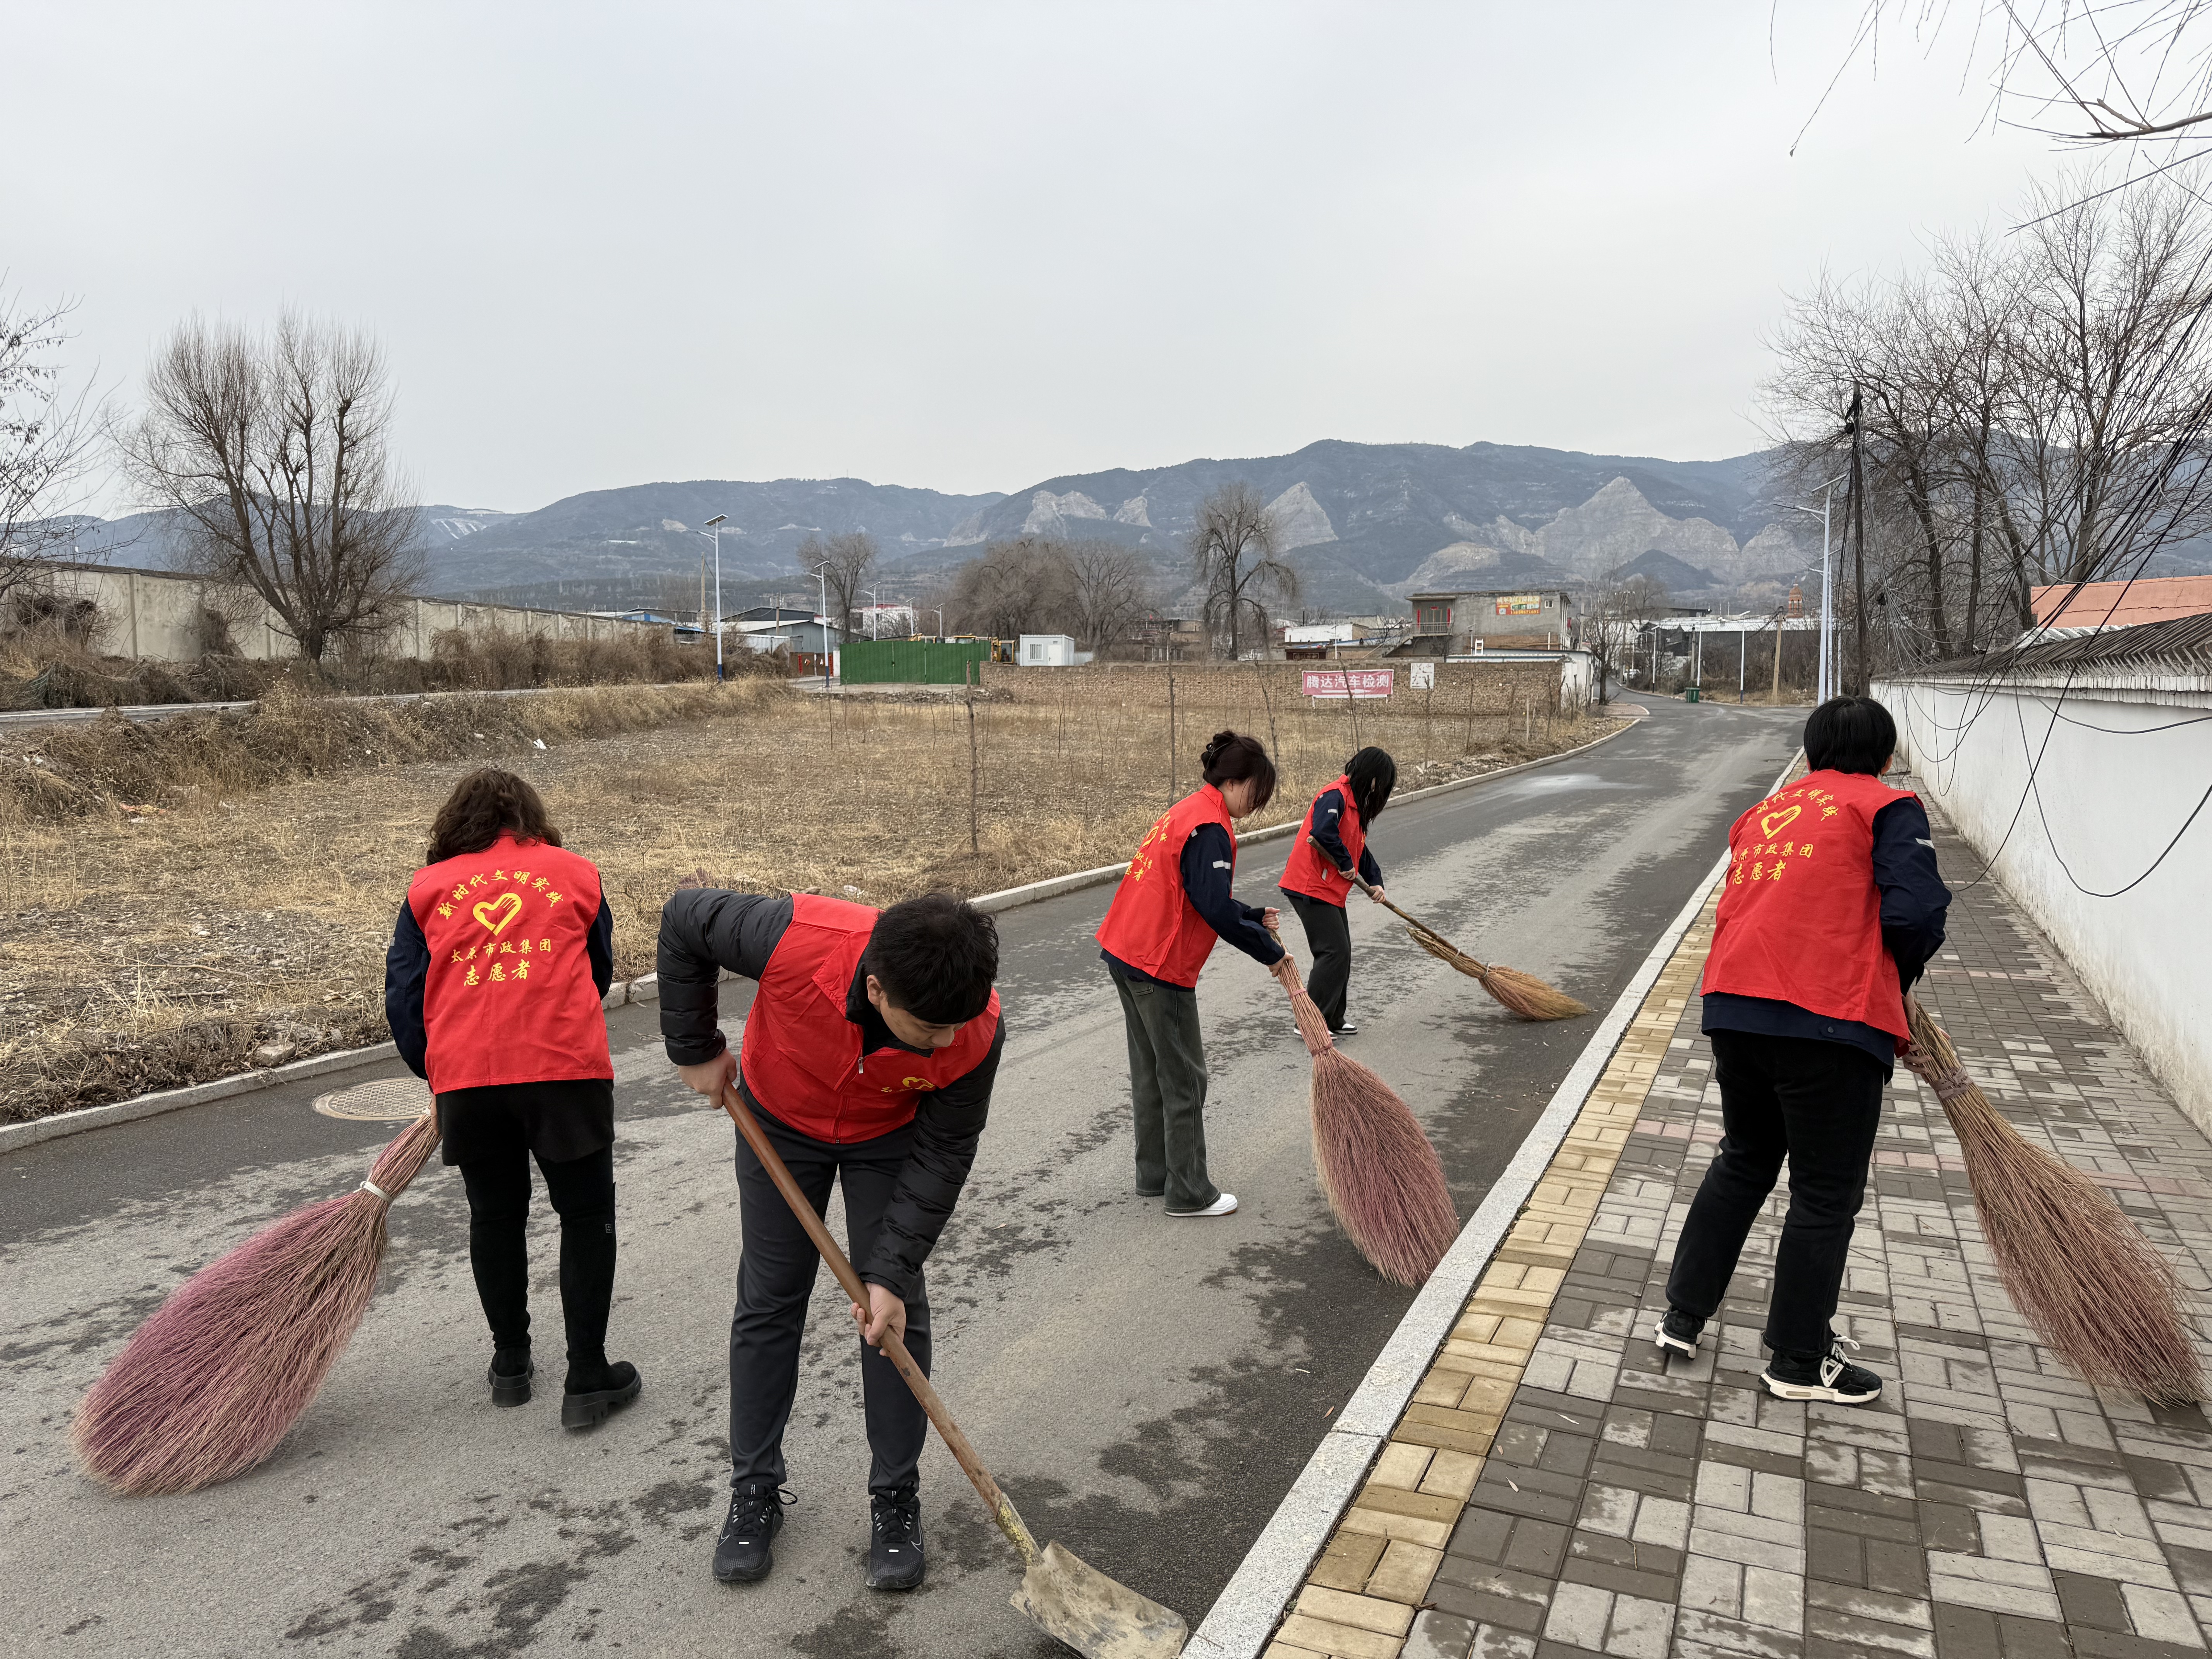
[973,247]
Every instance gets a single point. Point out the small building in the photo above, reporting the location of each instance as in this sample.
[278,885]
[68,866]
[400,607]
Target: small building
[798,631]
[1449,624]
[1046,651]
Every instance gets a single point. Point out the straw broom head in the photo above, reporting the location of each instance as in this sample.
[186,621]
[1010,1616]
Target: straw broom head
[1382,1177]
[2089,1284]
[210,1384]
[1519,992]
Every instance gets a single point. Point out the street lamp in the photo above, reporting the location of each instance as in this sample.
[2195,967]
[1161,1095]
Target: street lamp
[1828,593]
[822,570]
[874,610]
[714,523]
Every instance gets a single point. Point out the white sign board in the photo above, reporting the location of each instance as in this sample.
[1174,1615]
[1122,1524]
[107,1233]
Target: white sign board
[1422,676]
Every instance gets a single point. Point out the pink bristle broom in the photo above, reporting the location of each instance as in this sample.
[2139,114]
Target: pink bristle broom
[209,1386]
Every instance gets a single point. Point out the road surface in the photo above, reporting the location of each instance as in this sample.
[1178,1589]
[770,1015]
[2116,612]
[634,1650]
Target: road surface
[1147,1388]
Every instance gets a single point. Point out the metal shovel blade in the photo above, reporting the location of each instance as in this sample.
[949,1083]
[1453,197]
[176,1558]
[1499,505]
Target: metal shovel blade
[1074,1603]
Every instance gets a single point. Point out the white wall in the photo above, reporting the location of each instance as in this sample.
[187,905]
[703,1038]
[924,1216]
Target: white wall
[153,613]
[2110,792]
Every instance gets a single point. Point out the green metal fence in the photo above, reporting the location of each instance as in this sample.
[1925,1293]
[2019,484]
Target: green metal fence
[912,662]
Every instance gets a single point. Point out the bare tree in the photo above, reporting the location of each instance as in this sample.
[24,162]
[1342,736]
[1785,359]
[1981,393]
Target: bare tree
[1011,588]
[1233,554]
[1108,590]
[273,452]
[46,440]
[849,558]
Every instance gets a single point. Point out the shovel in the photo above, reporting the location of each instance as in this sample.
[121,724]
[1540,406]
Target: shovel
[1071,1602]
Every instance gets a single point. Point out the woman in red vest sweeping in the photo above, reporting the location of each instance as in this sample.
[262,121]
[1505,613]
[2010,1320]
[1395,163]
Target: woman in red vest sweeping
[494,988]
[1831,908]
[869,1055]
[1317,880]
[1174,901]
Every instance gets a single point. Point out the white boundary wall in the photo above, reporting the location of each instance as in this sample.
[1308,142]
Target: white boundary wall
[2110,791]
[156,613]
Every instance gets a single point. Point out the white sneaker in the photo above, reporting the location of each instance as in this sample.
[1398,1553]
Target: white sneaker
[1224,1204]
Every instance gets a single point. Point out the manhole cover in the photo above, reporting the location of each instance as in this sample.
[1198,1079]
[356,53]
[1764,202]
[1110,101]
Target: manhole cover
[388,1099]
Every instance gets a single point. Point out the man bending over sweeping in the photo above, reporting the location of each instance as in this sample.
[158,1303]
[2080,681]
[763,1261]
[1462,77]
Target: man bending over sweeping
[868,1057]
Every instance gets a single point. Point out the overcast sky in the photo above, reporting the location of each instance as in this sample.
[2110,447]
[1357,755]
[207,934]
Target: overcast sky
[971,247]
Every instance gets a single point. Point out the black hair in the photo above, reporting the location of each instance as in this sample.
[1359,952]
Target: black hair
[481,805]
[1232,757]
[1372,775]
[1849,734]
[936,957]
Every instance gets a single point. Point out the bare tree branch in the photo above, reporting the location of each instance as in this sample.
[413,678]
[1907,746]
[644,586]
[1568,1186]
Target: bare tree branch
[1233,554]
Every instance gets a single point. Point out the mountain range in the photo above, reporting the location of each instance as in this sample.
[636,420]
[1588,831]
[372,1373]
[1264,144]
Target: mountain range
[1365,524]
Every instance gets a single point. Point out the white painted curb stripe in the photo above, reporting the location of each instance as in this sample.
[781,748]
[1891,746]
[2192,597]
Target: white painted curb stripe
[15,1135]
[1245,1615]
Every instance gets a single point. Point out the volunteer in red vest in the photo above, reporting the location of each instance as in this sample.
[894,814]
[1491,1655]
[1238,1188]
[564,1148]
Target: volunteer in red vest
[1318,880]
[1831,908]
[1175,899]
[868,1057]
[494,989]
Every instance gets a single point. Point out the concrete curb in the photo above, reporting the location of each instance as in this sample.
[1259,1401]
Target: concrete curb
[17,1135]
[1244,1617]
[647,989]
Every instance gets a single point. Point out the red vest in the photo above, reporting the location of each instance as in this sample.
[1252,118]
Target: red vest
[1150,925]
[1800,918]
[1309,871]
[802,1057]
[508,997]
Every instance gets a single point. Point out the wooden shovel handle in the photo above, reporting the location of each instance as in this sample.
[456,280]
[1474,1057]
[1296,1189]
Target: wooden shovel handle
[1414,922]
[1001,1507]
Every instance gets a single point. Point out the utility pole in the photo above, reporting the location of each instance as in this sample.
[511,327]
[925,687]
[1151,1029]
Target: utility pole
[714,523]
[1855,513]
[822,570]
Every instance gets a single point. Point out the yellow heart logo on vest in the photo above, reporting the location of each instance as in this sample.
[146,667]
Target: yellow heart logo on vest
[1773,823]
[507,907]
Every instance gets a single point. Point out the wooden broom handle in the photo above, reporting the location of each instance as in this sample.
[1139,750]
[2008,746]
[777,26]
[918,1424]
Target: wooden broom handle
[1001,1507]
[1415,922]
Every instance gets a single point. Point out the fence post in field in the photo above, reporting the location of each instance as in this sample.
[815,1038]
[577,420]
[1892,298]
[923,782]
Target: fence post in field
[975,764]
[1468,746]
[1429,722]
[1274,743]
[1527,721]
[1171,736]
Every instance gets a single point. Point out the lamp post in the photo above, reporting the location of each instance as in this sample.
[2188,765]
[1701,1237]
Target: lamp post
[1827,675]
[874,610]
[822,571]
[714,523]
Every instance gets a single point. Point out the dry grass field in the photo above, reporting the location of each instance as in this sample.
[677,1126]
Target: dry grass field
[174,898]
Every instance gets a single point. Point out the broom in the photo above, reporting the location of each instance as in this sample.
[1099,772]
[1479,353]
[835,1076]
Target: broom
[2091,1286]
[1377,1169]
[1518,992]
[209,1385]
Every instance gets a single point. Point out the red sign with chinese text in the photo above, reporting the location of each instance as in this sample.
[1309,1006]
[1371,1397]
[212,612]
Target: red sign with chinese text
[1348,682]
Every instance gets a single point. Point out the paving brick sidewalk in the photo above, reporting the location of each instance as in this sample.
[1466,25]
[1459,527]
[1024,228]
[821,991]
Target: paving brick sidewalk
[1557,1490]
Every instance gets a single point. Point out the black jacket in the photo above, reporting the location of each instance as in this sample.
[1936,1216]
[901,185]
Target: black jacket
[705,929]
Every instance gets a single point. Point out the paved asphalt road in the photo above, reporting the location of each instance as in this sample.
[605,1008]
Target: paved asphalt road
[1147,1388]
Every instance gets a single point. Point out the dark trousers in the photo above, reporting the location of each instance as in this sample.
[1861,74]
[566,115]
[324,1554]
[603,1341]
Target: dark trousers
[775,1278]
[583,1194]
[1328,933]
[1816,1103]
[1167,1091]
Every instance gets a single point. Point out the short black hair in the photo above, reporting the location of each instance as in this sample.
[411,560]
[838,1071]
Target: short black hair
[936,957]
[1849,734]
[1232,757]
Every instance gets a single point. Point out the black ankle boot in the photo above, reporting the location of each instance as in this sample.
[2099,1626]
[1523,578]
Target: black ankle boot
[509,1377]
[594,1392]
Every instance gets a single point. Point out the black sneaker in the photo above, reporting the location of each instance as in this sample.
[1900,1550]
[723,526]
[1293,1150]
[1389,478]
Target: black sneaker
[741,1553]
[589,1399]
[1350,1028]
[895,1557]
[1827,1376]
[1678,1332]
[509,1377]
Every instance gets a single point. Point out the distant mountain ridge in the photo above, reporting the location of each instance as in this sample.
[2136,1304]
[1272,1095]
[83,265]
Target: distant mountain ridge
[1366,523]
